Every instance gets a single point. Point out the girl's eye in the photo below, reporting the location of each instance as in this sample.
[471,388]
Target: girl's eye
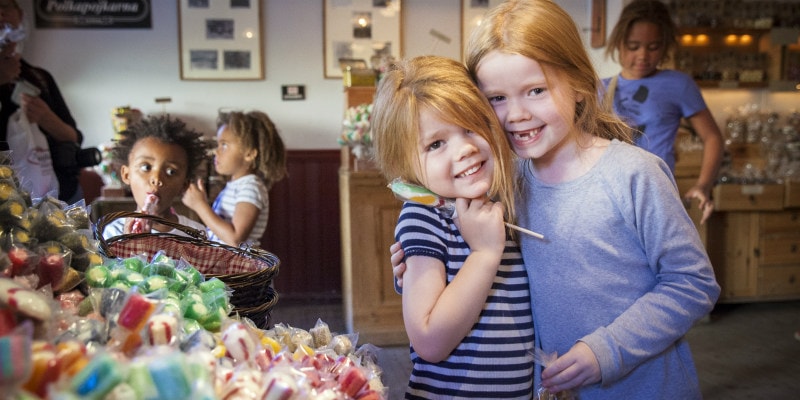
[537,91]
[632,46]
[496,99]
[172,172]
[435,145]
[145,167]
[654,47]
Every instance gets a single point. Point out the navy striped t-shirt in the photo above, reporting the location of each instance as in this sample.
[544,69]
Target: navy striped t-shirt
[495,360]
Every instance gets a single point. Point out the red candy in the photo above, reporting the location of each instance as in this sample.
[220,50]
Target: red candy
[51,270]
[135,313]
[352,380]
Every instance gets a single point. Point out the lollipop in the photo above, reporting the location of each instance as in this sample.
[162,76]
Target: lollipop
[141,225]
[420,195]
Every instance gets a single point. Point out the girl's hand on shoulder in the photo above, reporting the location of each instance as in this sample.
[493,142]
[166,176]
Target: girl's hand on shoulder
[481,223]
[578,367]
[398,266]
[194,195]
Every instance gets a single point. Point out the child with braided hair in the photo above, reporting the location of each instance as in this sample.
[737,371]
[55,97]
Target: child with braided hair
[251,152]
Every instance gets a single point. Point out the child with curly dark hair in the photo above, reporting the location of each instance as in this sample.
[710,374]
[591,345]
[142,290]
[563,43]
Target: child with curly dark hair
[251,152]
[159,157]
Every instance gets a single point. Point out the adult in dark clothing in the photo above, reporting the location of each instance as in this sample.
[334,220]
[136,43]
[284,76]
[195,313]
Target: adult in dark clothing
[48,110]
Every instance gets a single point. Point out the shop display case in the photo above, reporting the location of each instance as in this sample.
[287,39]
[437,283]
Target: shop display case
[369,213]
[729,45]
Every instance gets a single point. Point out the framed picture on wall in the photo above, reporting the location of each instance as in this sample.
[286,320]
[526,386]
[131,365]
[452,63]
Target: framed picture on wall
[220,40]
[471,16]
[360,31]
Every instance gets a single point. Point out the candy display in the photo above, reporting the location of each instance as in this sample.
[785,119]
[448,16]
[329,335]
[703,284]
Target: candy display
[78,325]
[420,195]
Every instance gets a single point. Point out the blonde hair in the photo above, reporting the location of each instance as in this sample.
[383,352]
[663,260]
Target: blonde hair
[256,131]
[545,33]
[443,86]
[652,11]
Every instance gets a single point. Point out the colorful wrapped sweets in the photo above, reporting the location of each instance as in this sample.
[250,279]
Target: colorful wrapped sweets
[133,344]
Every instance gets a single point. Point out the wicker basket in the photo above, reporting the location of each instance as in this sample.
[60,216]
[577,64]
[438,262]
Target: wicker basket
[247,271]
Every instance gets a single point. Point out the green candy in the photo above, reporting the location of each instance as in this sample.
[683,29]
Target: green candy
[163,269]
[191,325]
[196,311]
[131,278]
[191,275]
[155,282]
[133,264]
[121,285]
[211,285]
[98,276]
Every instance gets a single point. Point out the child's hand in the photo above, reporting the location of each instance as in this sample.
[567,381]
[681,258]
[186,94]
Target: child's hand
[195,195]
[398,266]
[481,224]
[578,367]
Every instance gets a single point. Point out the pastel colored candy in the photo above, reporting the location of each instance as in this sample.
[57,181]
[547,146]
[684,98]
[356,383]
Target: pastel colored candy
[140,380]
[15,358]
[25,301]
[46,368]
[170,378]
[280,386]
[99,377]
[240,342]
[161,329]
[72,356]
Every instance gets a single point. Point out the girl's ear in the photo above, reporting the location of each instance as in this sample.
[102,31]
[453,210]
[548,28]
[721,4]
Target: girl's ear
[124,174]
[250,155]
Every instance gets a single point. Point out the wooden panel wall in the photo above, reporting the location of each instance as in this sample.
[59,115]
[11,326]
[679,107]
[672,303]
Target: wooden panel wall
[304,227]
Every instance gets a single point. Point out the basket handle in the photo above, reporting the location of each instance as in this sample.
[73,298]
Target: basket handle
[106,219]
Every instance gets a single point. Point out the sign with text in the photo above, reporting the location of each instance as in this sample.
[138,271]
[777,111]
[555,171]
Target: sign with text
[102,14]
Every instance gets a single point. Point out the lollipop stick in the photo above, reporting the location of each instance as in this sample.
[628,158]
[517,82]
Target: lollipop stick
[523,230]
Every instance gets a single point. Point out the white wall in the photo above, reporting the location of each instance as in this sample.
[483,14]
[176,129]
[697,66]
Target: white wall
[99,69]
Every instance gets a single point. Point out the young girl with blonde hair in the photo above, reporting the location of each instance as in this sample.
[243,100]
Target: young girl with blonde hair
[466,305]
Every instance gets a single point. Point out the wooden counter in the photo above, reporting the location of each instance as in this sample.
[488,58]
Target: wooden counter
[755,242]
[369,213]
